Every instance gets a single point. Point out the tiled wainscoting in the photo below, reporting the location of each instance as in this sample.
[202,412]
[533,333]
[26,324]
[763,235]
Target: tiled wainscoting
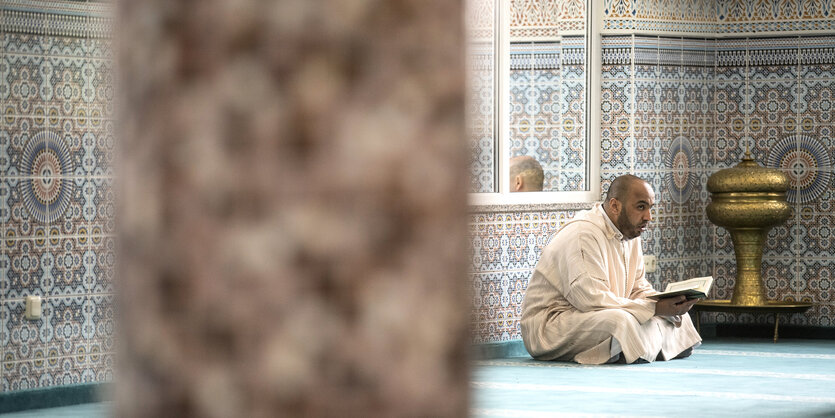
[505,249]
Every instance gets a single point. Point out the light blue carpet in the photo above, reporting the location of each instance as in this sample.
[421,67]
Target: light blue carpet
[723,378]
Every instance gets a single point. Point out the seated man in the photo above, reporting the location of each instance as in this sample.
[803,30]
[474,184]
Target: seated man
[587,298]
[526,174]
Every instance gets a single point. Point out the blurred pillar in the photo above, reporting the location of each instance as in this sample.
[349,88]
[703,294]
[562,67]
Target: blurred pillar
[292,209]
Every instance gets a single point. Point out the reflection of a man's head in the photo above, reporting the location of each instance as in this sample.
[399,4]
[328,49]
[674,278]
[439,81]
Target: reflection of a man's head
[526,174]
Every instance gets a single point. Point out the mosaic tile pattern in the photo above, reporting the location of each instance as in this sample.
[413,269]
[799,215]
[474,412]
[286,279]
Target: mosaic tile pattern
[689,16]
[710,17]
[480,101]
[802,157]
[735,16]
[506,248]
[480,16]
[679,160]
[546,18]
[481,117]
[56,199]
[64,18]
[547,90]
[547,110]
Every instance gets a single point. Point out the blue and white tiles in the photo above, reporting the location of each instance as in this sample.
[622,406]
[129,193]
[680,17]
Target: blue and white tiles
[56,198]
[710,17]
[699,115]
[505,249]
[547,91]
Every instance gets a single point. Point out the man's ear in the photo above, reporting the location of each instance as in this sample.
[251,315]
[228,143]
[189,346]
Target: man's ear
[615,205]
[518,183]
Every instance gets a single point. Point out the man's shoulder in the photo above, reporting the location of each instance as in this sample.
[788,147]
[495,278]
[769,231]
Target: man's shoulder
[578,228]
[588,220]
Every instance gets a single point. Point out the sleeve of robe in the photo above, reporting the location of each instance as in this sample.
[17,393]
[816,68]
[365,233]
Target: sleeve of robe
[587,287]
[643,288]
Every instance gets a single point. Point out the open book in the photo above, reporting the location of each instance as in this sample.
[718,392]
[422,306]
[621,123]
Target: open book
[693,289]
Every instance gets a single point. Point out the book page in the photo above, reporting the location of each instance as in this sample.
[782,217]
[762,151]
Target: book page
[700,283]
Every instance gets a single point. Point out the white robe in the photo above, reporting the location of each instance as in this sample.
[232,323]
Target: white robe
[586,300]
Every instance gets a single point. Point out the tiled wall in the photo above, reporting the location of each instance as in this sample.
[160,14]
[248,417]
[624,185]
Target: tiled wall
[712,17]
[698,105]
[547,86]
[546,18]
[656,99]
[56,197]
[774,96]
[547,102]
[675,110]
[481,119]
[547,90]
[505,248]
[680,16]
[752,16]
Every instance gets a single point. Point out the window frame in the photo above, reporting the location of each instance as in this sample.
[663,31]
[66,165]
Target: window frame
[593,60]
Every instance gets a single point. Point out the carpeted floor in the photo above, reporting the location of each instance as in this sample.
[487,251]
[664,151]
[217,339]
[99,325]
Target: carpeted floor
[723,378]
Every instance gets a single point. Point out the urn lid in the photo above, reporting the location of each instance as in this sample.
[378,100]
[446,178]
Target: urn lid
[748,176]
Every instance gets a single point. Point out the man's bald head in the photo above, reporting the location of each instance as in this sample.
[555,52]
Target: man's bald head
[621,185]
[526,174]
[628,204]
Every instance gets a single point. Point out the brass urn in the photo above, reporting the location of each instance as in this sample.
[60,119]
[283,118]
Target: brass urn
[748,200]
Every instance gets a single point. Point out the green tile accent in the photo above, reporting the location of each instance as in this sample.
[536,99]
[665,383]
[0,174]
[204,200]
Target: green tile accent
[52,397]
[487,351]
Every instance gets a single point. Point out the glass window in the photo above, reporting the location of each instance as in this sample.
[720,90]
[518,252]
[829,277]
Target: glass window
[528,105]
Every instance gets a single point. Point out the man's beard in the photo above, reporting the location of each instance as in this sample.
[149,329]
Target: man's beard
[628,230]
